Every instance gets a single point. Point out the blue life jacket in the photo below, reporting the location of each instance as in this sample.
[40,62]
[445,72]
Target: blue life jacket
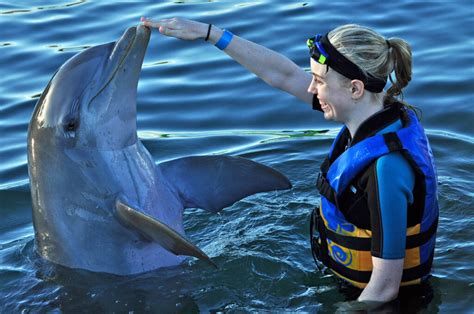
[345,248]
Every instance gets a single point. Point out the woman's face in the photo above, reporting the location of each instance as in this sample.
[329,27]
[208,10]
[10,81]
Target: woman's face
[333,92]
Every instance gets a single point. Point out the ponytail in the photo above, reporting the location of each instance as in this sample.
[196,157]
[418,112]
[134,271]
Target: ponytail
[400,57]
[376,55]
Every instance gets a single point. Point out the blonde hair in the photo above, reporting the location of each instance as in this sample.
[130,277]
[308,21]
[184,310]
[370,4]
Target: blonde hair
[375,55]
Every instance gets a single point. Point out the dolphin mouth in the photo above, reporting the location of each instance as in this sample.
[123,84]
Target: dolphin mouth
[133,37]
[134,40]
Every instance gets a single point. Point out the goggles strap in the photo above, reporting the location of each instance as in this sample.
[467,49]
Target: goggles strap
[339,63]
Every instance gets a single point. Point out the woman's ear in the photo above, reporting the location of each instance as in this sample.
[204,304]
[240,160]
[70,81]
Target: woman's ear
[357,89]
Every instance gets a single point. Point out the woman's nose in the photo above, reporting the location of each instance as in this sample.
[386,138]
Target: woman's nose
[312,88]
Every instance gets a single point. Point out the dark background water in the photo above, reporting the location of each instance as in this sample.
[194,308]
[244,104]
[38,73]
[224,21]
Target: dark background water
[192,99]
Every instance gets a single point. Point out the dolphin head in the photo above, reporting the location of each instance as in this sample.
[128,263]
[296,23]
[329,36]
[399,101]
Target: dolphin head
[91,100]
[87,110]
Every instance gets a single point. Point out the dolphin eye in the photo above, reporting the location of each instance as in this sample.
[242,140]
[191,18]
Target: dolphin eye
[70,126]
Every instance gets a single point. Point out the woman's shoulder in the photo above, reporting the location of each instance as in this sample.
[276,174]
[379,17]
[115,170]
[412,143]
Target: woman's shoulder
[394,173]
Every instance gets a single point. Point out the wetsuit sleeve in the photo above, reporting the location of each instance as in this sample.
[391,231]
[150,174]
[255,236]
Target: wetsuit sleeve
[316,105]
[394,181]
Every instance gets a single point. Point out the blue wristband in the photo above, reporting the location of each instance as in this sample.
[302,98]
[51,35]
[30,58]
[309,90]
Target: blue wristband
[225,40]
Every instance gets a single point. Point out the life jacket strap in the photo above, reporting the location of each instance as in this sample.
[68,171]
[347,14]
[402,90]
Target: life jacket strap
[354,243]
[392,141]
[325,189]
[419,239]
[364,244]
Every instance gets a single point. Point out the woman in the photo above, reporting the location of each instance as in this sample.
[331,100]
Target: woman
[378,217]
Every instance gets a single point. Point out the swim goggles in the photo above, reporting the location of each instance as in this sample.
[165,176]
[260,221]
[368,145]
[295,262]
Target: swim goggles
[323,52]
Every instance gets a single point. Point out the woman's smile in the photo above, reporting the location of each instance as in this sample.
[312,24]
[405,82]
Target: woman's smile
[324,106]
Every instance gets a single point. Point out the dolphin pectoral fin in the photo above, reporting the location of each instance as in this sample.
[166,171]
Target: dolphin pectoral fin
[215,182]
[158,232]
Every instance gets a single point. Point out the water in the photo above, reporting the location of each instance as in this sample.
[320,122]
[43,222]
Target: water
[192,99]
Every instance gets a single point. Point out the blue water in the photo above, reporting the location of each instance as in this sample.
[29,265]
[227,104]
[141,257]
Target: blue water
[193,100]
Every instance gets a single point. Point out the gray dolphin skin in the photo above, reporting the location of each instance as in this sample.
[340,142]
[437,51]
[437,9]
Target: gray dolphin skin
[99,201]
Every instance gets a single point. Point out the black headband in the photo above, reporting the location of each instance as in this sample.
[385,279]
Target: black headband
[323,52]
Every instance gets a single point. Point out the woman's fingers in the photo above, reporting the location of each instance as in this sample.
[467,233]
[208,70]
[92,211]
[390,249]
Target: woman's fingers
[168,31]
[163,26]
[169,23]
[175,27]
[149,23]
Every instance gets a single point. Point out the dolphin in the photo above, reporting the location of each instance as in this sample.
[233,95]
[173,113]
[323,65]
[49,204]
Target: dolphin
[99,201]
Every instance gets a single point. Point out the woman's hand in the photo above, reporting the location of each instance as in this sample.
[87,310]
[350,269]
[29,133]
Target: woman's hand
[179,28]
[385,280]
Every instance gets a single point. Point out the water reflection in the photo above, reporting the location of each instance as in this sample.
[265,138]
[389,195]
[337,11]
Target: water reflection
[49,7]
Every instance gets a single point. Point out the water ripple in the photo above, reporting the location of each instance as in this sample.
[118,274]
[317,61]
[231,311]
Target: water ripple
[194,100]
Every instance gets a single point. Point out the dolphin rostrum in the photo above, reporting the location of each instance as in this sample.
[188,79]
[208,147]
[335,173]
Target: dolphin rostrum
[99,201]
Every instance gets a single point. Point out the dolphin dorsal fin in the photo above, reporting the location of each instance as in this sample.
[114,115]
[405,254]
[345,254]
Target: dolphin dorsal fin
[158,232]
[215,182]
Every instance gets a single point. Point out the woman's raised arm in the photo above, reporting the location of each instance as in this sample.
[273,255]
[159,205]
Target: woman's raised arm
[275,69]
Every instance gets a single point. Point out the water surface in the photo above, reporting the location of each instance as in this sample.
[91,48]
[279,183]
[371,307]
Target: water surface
[194,100]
